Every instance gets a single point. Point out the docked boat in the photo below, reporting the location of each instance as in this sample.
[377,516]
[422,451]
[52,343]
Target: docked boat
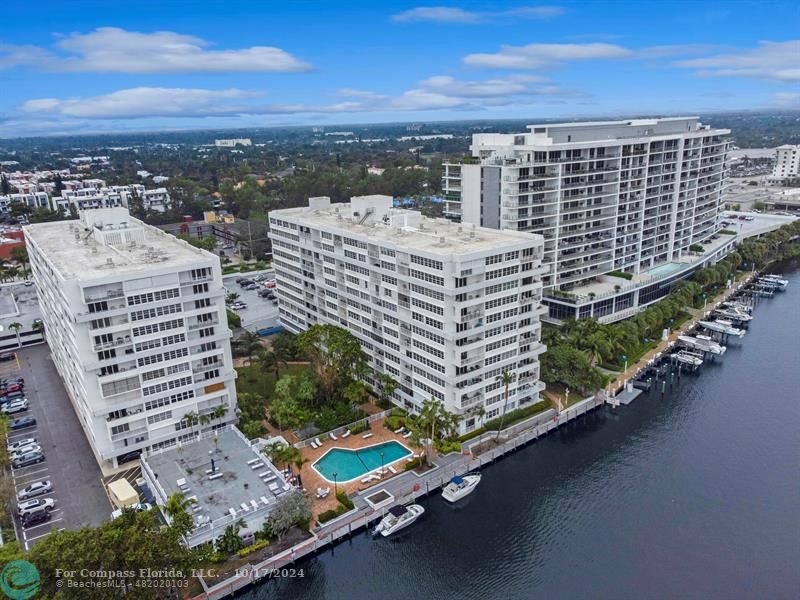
[688,358]
[703,343]
[733,315]
[721,326]
[397,518]
[461,486]
[738,306]
[775,280]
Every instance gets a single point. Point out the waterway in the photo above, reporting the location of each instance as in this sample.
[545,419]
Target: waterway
[695,494]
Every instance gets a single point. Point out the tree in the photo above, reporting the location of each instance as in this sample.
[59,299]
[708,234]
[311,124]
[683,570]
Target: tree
[356,393]
[505,378]
[205,243]
[386,386]
[432,424]
[284,344]
[292,509]
[192,419]
[336,356]
[290,394]
[230,541]
[248,344]
[38,325]
[231,297]
[219,411]
[19,255]
[5,186]
[177,509]
[268,360]
[16,327]
[136,204]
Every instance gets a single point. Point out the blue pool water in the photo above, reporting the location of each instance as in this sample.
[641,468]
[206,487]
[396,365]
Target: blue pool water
[353,464]
[666,269]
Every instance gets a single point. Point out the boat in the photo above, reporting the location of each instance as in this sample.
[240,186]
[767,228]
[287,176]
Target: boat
[721,326]
[774,279]
[703,343]
[688,358]
[739,306]
[733,315]
[461,486]
[397,518]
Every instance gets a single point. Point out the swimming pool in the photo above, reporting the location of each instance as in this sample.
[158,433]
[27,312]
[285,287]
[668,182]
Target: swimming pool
[665,269]
[353,464]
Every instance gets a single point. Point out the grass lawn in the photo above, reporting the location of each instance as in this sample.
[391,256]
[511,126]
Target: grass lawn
[632,356]
[253,379]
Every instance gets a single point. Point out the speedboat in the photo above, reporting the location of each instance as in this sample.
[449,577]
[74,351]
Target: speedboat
[460,487]
[397,518]
[733,315]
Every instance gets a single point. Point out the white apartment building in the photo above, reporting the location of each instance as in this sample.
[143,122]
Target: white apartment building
[787,162]
[233,142]
[443,308]
[114,196]
[136,324]
[609,196]
[33,200]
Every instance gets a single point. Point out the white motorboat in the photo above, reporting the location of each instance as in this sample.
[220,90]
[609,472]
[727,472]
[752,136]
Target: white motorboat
[688,358]
[738,306]
[397,518]
[733,315]
[461,486]
[703,343]
[721,326]
[774,280]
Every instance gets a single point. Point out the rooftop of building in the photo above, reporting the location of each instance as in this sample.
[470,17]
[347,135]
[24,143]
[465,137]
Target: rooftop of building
[77,251]
[402,228]
[240,471]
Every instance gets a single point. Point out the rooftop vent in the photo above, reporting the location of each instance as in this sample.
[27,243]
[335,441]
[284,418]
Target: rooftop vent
[109,261]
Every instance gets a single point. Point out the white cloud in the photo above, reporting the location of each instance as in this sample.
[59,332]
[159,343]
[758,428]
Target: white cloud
[779,61]
[435,93]
[446,14]
[539,56]
[788,99]
[115,50]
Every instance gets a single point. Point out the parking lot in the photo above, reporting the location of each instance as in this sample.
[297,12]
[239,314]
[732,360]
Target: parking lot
[69,462]
[260,312]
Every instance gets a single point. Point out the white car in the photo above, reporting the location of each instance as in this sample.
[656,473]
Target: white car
[31,505]
[35,489]
[24,450]
[238,306]
[21,443]
[137,507]
[15,406]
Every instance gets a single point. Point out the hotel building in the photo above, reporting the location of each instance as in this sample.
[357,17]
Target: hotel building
[443,308]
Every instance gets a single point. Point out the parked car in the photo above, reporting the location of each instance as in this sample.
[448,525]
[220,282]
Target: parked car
[25,460]
[12,397]
[6,381]
[22,423]
[251,286]
[275,302]
[14,387]
[15,406]
[271,283]
[28,283]
[36,504]
[237,306]
[7,356]
[25,450]
[245,282]
[35,489]
[141,507]
[239,280]
[34,518]
[260,277]
[21,443]
[263,293]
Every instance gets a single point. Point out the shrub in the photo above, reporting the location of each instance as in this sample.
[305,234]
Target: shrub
[415,463]
[447,446]
[727,232]
[696,248]
[327,516]
[358,428]
[254,548]
[345,501]
[517,415]
[234,321]
[398,412]
[394,422]
[621,275]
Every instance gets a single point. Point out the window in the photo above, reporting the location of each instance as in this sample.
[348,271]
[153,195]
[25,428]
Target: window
[120,386]
[158,417]
[426,262]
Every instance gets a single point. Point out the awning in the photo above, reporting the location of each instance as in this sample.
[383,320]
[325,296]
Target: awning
[457,480]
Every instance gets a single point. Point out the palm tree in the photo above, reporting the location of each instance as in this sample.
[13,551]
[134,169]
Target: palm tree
[219,411]
[38,325]
[231,297]
[268,359]
[230,542]
[16,327]
[249,344]
[505,378]
[191,419]
[177,509]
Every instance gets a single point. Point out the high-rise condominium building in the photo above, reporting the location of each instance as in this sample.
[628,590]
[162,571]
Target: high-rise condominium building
[443,308]
[616,196]
[787,162]
[136,324]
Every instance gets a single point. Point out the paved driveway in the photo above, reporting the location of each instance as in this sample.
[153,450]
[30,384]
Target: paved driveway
[69,462]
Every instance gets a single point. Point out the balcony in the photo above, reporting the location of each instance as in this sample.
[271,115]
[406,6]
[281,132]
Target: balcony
[107,296]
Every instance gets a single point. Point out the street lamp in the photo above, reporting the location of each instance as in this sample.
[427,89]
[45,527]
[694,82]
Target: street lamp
[704,302]
[625,369]
[381,463]
[335,489]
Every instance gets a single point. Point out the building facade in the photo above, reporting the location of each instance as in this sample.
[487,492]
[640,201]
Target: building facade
[617,196]
[787,162]
[442,308]
[136,324]
[115,196]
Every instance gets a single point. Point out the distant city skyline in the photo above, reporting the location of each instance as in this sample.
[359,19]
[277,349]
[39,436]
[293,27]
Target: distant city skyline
[91,66]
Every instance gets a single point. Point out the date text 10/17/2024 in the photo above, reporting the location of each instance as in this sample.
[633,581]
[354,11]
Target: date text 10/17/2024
[269,572]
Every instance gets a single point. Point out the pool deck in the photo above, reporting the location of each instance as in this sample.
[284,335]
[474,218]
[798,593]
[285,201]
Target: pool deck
[313,480]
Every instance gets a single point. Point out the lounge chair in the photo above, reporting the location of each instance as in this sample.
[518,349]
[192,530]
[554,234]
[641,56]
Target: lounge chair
[407,435]
[318,442]
[392,469]
[366,479]
[332,436]
[264,499]
[254,504]
[323,492]
[313,444]
[399,429]
[346,433]
[273,487]
[254,461]
[367,435]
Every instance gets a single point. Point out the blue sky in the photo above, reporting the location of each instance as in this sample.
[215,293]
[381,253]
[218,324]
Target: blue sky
[84,66]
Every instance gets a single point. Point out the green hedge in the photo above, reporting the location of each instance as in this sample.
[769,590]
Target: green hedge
[414,463]
[345,504]
[359,428]
[727,232]
[254,548]
[234,320]
[515,416]
[345,501]
[621,275]
[394,422]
